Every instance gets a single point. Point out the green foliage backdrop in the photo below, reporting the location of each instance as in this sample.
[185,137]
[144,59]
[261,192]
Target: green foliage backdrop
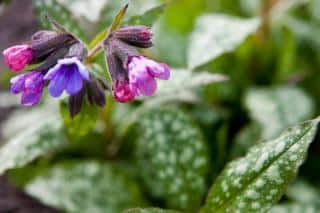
[234,129]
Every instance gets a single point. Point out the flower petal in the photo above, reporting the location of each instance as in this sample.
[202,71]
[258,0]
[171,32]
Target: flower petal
[52,72]
[17,57]
[122,92]
[58,84]
[83,71]
[17,84]
[74,82]
[31,97]
[160,71]
[144,85]
[76,62]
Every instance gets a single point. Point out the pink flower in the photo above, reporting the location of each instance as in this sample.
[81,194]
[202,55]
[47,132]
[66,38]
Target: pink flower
[122,91]
[17,57]
[142,73]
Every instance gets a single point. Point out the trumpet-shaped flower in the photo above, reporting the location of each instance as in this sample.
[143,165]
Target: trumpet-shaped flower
[68,74]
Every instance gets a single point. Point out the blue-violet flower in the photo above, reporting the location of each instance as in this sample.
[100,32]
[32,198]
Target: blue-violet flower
[68,74]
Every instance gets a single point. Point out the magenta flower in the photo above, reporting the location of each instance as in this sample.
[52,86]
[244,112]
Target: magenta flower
[68,74]
[30,85]
[132,74]
[142,73]
[122,91]
[17,57]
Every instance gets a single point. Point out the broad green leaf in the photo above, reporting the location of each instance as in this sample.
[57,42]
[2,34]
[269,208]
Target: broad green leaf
[42,137]
[59,13]
[295,208]
[172,157]
[86,186]
[177,88]
[252,7]
[258,180]
[302,192]
[82,123]
[23,118]
[147,18]
[149,210]
[304,30]
[182,80]
[169,46]
[215,35]
[278,108]
[314,8]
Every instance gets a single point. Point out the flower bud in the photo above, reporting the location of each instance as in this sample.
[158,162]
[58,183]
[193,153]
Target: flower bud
[18,57]
[43,34]
[78,50]
[44,43]
[139,36]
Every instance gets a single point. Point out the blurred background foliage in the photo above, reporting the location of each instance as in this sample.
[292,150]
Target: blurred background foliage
[166,151]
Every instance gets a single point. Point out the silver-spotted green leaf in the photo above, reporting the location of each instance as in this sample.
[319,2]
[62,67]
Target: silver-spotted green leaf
[215,35]
[177,89]
[172,157]
[86,186]
[295,208]
[42,137]
[258,180]
[82,123]
[182,80]
[59,13]
[278,108]
[150,210]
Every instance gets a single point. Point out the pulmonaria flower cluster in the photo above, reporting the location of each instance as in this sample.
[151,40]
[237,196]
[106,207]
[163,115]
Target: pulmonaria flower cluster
[133,75]
[60,56]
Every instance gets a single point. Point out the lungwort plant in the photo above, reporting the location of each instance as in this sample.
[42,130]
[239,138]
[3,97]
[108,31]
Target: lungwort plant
[106,126]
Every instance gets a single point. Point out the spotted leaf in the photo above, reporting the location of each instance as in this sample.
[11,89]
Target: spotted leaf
[295,208]
[86,186]
[34,141]
[172,157]
[275,109]
[255,182]
[217,34]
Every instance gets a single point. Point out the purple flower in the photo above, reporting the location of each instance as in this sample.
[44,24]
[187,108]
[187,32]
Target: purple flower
[142,73]
[68,74]
[30,85]
[17,57]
